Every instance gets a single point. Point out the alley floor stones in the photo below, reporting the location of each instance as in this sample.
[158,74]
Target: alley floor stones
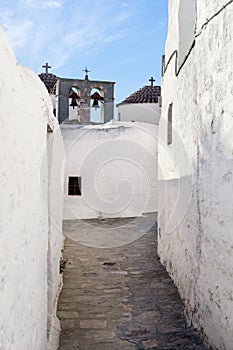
[119,297]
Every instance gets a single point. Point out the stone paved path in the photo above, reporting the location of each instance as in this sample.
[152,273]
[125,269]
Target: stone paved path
[119,298]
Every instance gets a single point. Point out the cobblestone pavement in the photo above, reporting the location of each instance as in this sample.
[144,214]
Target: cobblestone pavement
[119,298]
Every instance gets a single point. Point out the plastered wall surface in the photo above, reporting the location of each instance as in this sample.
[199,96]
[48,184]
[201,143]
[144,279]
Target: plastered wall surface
[139,112]
[195,182]
[55,157]
[117,163]
[26,111]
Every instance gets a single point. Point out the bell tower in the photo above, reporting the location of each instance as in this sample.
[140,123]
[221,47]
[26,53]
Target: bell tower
[75,105]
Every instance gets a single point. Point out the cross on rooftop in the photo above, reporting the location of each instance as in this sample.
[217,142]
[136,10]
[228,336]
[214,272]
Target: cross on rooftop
[86,71]
[46,66]
[152,80]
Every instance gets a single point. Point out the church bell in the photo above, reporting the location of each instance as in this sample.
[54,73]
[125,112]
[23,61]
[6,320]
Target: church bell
[95,104]
[74,96]
[73,103]
[96,97]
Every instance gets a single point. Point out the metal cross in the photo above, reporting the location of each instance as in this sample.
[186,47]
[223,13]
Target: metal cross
[86,71]
[152,80]
[46,66]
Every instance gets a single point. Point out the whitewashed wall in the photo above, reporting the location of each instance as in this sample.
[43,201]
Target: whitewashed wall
[55,160]
[140,112]
[26,201]
[117,162]
[196,174]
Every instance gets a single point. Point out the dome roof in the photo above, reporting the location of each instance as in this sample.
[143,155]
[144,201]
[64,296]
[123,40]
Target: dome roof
[49,80]
[147,94]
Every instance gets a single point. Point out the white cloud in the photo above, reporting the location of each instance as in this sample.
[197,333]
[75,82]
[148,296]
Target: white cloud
[17,32]
[61,36]
[41,4]
[118,19]
[124,4]
[114,37]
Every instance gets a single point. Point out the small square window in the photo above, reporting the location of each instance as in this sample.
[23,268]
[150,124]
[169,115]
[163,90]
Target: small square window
[74,186]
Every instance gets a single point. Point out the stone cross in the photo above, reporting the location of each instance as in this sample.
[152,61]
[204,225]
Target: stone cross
[86,71]
[46,66]
[152,80]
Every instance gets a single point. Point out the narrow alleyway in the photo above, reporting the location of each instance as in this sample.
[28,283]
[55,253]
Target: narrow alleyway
[119,298]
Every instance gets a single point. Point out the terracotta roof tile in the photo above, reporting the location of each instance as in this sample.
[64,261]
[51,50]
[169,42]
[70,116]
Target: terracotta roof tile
[147,94]
[49,80]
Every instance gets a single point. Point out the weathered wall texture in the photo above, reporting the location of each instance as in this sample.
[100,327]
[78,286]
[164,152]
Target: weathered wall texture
[30,243]
[117,163]
[196,173]
[139,112]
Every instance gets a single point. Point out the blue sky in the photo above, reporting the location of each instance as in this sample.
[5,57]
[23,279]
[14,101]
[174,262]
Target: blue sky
[119,41]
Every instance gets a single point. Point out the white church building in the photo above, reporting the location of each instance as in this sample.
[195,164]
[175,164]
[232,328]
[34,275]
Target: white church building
[111,170]
[110,166]
[142,106]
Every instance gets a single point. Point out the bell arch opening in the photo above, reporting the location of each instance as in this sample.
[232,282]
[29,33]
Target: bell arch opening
[187,27]
[74,102]
[97,105]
